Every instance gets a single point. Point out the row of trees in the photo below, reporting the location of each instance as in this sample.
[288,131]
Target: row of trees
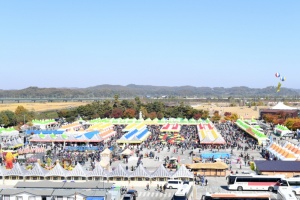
[131,109]
[281,118]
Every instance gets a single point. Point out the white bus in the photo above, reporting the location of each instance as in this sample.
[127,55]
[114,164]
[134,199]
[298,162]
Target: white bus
[285,193]
[254,182]
[185,192]
[293,184]
[230,196]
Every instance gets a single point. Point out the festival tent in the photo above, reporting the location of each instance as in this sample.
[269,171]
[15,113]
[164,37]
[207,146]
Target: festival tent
[8,132]
[155,121]
[44,132]
[160,172]
[140,120]
[120,171]
[192,121]
[98,171]
[17,170]
[219,140]
[107,134]
[43,124]
[77,171]
[148,121]
[140,171]
[282,106]
[129,127]
[183,172]
[127,152]
[96,138]
[37,170]
[58,170]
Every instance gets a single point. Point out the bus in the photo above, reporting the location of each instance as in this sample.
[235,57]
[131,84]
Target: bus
[254,182]
[184,192]
[229,196]
[293,184]
[285,193]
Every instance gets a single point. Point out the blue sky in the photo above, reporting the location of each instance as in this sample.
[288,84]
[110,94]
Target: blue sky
[151,42]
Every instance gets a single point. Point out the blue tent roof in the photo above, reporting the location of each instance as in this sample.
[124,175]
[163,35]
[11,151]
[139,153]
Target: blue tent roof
[89,135]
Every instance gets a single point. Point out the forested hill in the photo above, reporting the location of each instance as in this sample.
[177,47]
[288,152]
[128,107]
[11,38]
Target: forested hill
[150,91]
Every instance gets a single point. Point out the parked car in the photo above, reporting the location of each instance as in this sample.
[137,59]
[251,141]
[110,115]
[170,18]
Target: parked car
[134,193]
[174,184]
[128,197]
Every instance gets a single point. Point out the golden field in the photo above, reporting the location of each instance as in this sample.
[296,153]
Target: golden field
[41,106]
[242,111]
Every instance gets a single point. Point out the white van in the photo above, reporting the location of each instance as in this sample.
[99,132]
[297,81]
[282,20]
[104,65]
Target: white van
[174,184]
[285,193]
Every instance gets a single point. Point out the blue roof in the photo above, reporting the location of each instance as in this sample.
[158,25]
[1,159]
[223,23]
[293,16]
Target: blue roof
[131,133]
[89,135]
[44,132]
[141,134]
[277,166]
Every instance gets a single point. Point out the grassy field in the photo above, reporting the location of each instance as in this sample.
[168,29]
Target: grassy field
[242,111]
[38,107]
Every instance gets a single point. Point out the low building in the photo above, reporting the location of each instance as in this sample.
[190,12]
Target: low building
[51,194]
[268,167]
[208,169]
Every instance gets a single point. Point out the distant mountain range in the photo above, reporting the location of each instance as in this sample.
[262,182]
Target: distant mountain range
[132,90]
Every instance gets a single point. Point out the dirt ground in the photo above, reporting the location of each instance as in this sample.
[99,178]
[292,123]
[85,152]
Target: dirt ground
[242,111]
[44,106]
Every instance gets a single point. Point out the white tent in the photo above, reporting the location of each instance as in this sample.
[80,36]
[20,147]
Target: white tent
[119,172]
[17,170]
[37,171]
[98,171]
[58,170]
[160,172]
[140,172]
[78,171]
[183,172]
[281,106]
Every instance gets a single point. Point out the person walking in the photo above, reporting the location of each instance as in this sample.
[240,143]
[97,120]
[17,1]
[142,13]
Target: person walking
[147,187]
[206,181]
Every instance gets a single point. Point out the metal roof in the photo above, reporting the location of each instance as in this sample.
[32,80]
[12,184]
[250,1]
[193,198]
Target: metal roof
[39,184]
[140,172]
[183,172]
[58,170]
[17,170]
[161,171]
[78,171]
[31,191]
[119,172]
[37,170]
[277,166]
[64,185]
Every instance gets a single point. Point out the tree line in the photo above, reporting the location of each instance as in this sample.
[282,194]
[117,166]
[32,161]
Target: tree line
[129,109]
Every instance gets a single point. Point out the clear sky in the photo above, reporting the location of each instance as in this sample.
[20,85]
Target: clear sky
[221,43]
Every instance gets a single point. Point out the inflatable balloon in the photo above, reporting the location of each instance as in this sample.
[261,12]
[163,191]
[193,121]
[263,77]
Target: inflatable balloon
[9,159]
[277,75]
[278,87]
[282,79]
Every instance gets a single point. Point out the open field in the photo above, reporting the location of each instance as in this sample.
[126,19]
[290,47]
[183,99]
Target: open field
[45,106]
[242,111]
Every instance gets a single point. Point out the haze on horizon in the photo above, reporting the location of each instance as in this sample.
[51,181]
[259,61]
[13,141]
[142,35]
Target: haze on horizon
[76,44]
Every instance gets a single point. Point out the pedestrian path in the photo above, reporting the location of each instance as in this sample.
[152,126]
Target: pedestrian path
[156,194]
